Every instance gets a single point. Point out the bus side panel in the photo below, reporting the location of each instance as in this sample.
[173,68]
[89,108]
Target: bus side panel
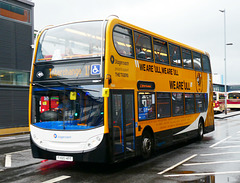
[100,155]
[167,138]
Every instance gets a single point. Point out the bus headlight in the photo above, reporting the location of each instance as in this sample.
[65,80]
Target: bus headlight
[94,141]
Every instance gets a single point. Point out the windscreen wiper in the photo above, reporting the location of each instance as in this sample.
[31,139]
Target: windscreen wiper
[64,84]
[75,87]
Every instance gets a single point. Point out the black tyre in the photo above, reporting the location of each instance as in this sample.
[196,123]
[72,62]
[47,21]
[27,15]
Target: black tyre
[200,130]
[147,145]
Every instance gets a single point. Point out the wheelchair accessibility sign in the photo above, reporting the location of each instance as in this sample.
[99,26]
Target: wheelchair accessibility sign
[95,69]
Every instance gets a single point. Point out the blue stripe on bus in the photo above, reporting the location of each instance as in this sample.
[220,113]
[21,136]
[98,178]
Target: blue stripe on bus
[60,125]
[55,88]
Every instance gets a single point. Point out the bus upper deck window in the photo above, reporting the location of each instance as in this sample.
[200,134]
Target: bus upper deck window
[123,42]
[160,51]
[175,55]
[187,58]
[143,46]
[197,61]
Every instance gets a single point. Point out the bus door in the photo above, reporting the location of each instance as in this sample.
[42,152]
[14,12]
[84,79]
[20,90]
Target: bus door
[122,106]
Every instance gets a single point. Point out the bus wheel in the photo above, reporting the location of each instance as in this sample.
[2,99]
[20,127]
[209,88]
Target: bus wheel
[200,130]
[147,145]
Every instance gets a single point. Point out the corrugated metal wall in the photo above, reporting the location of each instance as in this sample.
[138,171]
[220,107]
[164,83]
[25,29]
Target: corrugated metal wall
[13,107]
[15,45]
[15,54]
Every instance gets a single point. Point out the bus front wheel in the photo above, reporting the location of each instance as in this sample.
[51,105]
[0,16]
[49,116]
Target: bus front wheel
[147,145]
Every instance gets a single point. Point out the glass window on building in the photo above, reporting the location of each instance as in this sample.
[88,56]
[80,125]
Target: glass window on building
[14,78]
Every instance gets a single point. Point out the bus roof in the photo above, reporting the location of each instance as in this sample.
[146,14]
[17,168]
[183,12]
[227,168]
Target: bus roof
[114,20]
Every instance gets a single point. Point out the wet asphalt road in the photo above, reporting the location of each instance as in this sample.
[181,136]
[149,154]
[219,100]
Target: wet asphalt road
[215,159]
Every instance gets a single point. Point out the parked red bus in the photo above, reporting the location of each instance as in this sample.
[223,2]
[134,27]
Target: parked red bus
[218,102]
[233,100]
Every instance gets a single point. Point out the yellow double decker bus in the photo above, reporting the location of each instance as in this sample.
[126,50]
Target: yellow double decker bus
[105,91]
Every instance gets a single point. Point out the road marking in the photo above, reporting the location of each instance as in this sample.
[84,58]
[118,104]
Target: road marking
[57,179]
[220,142]
[233,141]
[211,163]
[226,147]
[202,174]
[1,170]
[8,160]
[223,153]
[4,139]
[174,166]
[8,157]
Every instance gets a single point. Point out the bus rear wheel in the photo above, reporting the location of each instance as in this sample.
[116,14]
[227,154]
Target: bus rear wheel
[147,145]
[200,130]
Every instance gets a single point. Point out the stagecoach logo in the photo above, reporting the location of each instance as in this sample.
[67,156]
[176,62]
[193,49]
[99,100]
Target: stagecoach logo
[61,136]
[112,59]
[39,74]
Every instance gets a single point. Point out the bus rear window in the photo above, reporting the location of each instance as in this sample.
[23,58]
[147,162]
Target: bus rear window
[206,64]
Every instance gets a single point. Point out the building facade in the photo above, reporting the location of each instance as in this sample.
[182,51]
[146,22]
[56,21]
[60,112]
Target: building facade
[16,38]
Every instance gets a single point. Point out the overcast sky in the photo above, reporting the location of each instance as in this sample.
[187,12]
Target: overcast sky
[197,23]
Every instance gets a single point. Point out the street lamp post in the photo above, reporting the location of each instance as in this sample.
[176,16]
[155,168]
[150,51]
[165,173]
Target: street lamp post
[225,60]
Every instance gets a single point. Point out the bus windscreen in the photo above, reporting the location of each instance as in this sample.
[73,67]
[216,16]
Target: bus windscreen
[70,41]
[68,108]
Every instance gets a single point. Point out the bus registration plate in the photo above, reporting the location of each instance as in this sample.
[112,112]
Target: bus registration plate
[64,158]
